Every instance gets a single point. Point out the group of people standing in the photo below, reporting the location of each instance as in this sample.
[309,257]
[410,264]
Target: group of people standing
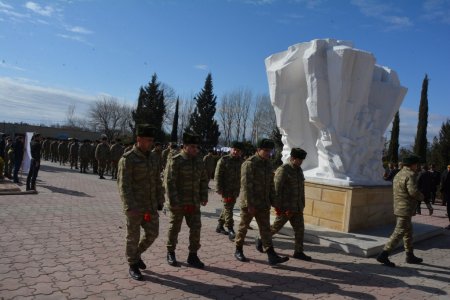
[11,156]
[184,189]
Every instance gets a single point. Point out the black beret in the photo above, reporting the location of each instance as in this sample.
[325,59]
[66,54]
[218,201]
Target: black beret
[191,138]
[237,145]
[266,144]
[145,130]
[410,159]
[298,153]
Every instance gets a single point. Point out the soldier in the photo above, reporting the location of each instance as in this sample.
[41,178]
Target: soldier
[73,154]
[445,191]
[424,184]
[94,161]
[157,150]
[35,163]
[186,184]
[406,199]
[84,155]
[436,176]
[9,157]
[102,155]
[172,152]
[141,192]
[116,153]
[54,150]
[290,201]
[46,148]
[257,194]
[228,184]
[18,157]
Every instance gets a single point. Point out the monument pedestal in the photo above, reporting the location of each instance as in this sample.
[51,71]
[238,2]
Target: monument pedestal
[348,208]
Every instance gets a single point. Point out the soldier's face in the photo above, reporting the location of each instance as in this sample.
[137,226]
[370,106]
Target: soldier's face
[264,153]
[191,150]
[297,162]
[144,143]
[236,152]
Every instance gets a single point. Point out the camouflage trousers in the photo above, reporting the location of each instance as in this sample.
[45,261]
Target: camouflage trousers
[114,168]
[263,219]
[135,245]
[226,216]
[84,163]
[101,166]
[403,229]
[194,223]
[297,223]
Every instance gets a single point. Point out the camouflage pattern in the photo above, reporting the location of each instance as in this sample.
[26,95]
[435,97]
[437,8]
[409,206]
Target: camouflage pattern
[406,193]
[46,148]
[228,184]
[186,185]
[140,189]
[84,156]
[9,159]
[406,198]
[102,155]
[298,224]
[210,164]
[63,152]
[257,186]
[73,154]
[256,195]
[116,152]
[54,151]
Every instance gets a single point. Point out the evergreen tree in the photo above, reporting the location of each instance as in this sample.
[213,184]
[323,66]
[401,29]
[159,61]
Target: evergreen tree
[440,148]
[202,120]
[393,144]
[151,107]
[420,145]
[174,134]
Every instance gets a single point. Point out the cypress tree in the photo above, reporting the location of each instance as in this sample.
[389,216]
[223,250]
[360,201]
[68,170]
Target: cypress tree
[421,143]
[174,134]
[393,144]
[202,120]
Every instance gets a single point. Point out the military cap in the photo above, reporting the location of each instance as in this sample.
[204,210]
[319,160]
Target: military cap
[298,153]
[410,159]
[237,145]
[191,138]
[145,130]
[103,137]
[266,144]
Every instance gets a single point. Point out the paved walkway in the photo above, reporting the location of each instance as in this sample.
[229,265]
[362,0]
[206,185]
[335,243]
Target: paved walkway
[67,242]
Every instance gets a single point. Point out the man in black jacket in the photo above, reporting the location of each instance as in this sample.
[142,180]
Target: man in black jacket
[35,149]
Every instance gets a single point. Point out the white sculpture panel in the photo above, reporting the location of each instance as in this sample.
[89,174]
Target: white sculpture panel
[333,101]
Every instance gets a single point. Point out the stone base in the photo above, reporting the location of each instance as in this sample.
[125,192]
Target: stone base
[348,208]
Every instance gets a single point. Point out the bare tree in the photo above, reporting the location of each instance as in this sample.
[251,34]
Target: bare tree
[263,120]
[226,118]
[186,109]
[70,115]
[109,116]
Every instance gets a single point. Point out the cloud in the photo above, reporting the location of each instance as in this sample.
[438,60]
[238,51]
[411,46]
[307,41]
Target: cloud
[79,29]
[382,12]
[46,11]
[76,38]
[26,101]
[5,6]
[201,67]
[5,65]
[437,10]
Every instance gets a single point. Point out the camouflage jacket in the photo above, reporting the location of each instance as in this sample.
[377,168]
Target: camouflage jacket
[102,152]
[257,186]
[185,181]
[139,181]
[73,150]
[406,193]
[116,152]
[63,149]
[85,152]
[228,176]
[210,163]
[289,188]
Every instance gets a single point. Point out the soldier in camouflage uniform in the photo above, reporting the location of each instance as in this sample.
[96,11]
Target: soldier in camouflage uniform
[54,150]
[186,185]
[116,153]
[73,154]
[172,152]
[228,184]
[406,199]
[290,201]
[142,195]
[46,148]
[102,154]
[63,150]
[256,195]
[157,150]
[210,163]
[84,155]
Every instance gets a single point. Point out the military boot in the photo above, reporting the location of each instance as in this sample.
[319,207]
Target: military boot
[171,259]
[275,258]
[141,265]
[383,258]
[135,273]
[412,259]
[430,208]
[259,245]
[302,256]
[194,261]
[220,229]
[239,254]
[231,233]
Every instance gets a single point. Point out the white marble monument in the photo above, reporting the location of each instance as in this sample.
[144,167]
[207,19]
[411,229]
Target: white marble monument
[333,101]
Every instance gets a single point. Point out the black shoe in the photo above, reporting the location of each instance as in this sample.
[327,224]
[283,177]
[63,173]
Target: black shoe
[220,229]
[302,256]
[171,259]
[231,233]
[383,258]
[194,261]
[135,273]
[101,177]
[274,258]
[239,254]
[141,265]
[412,259]
[258,245]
